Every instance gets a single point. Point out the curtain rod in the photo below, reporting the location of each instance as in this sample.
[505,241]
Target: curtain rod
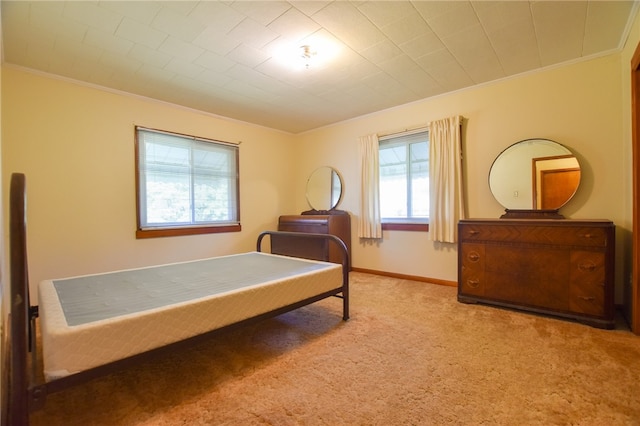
[409,131]
[404,132]
[186,136]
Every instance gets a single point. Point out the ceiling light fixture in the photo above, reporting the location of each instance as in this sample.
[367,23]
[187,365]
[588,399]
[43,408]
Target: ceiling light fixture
[307,54]
[313,53]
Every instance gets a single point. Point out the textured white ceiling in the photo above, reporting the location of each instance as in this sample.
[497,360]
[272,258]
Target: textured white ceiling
[224,57]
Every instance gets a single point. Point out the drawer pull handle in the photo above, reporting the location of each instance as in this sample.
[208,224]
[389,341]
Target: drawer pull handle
[473,232]
[473,256]
[588,236]
[473,283]
[587,266]
[587,298]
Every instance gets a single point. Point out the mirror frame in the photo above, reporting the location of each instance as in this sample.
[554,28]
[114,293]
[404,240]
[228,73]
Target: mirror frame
[324,189]
[554,153]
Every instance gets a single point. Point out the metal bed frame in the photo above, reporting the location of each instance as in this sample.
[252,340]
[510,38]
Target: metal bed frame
[22,391]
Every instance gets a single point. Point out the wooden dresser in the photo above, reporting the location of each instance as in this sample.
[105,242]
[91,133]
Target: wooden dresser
[338,223]
[559,267]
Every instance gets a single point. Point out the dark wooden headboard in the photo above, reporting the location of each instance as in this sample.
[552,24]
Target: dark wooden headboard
[16,339]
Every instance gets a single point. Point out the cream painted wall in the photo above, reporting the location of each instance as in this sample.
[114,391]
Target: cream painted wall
[578,105]
[76,146]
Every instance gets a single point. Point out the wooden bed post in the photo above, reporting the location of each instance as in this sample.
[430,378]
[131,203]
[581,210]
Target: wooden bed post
[17,412]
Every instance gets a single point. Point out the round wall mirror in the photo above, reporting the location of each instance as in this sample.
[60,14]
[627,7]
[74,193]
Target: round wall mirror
[324,188]
[534,174]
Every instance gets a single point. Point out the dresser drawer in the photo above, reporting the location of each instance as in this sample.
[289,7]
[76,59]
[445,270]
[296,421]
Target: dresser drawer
[316,228]
[472,258]
[587,283]
[532,234]
[314,224]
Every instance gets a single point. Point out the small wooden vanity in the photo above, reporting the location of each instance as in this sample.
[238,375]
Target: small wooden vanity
[335,222]
[324,192]
[552,266]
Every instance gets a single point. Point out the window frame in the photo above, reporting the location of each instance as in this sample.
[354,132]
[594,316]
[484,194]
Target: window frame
[188,229]
[389,224]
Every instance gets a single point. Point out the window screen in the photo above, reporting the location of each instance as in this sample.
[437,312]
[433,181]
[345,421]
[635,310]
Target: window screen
[404,177]
[185,181]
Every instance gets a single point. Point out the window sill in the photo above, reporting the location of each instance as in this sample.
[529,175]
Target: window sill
[176,232]
[421,227]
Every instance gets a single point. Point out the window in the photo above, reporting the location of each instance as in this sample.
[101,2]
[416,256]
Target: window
[185,185]
[404,181]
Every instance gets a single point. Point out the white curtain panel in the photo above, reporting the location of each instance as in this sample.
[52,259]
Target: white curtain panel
[445,179]
[370,225]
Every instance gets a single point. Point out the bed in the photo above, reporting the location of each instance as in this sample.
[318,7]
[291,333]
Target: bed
[92,324]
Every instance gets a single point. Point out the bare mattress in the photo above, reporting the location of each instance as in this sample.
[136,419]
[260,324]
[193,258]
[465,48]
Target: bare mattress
[92,320]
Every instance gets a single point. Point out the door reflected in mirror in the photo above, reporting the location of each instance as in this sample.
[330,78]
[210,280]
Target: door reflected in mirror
[534,174]
[324,189]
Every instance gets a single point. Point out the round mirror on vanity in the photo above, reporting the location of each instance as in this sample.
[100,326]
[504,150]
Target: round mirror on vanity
[323,192]
[534,178]
[324,189]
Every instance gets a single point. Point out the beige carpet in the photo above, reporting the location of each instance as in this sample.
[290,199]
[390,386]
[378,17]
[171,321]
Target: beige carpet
[410,355]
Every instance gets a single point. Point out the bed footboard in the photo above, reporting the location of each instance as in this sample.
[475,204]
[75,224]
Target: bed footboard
[333,240]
